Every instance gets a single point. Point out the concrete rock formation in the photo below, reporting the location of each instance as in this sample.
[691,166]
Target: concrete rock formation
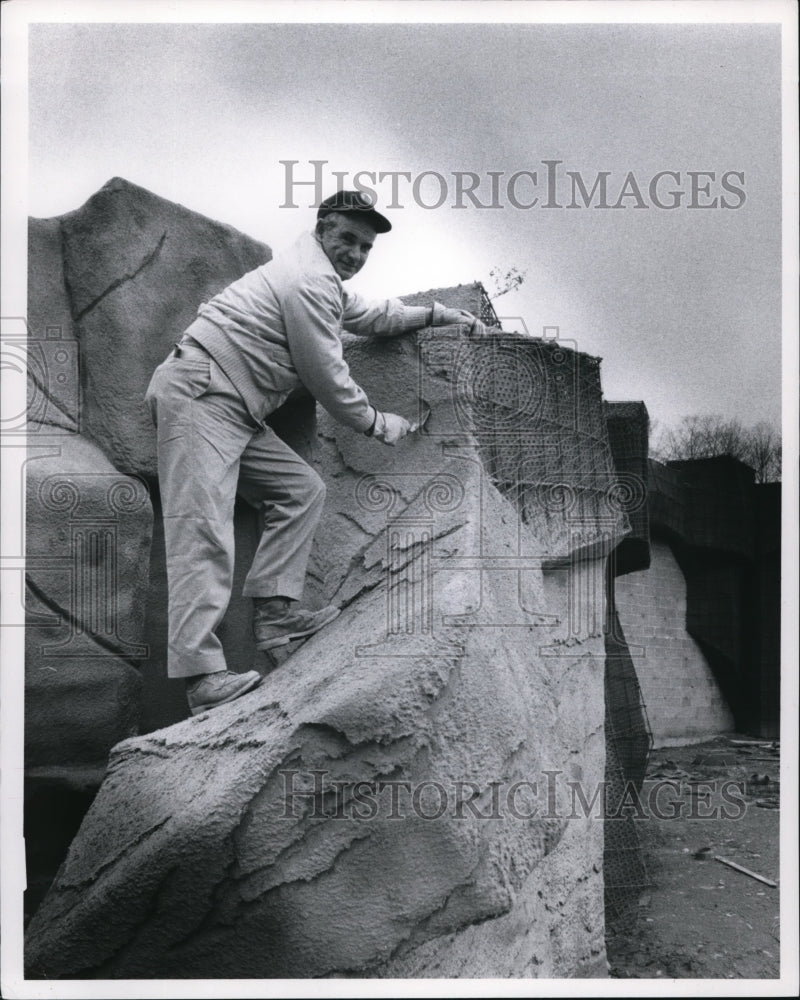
[397,799]
[89,530]
[89,533]
[136,267]
[111,287]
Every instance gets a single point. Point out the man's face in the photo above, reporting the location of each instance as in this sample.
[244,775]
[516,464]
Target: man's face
[347,243]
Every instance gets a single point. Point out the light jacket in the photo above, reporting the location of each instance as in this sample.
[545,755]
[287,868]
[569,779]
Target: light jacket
[278,327]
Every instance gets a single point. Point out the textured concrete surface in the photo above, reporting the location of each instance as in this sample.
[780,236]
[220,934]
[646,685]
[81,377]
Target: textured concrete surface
[76,708]
[89,530]
[53,378]
[88,544]
[135,268]
[112,286]
[187,864]
[88,549]
[262,840]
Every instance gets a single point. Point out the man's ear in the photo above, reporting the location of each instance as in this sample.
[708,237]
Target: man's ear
[319,229]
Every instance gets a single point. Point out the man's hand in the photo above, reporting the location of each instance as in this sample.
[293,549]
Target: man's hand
[390,427]
[443,316]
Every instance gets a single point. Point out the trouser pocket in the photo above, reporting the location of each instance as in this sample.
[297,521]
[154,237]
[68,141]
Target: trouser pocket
[178,380]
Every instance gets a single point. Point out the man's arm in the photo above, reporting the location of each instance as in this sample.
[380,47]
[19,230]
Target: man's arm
[386,318]
[391,318]
[312,313]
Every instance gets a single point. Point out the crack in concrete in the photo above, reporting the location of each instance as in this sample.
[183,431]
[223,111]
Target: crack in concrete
[78,315]
[358,557]
[206,922]
[364,590]
[357,565]
[79,626]
[287,856]
[72,420]
[112,961]
[418,546]
[416,934]
[356,523]
[152,749]
[64,887]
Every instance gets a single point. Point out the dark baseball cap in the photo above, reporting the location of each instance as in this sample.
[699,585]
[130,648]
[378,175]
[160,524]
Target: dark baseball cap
[356,203]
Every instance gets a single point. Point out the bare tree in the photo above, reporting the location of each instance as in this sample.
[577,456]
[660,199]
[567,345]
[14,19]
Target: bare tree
[710,435]
[763,453]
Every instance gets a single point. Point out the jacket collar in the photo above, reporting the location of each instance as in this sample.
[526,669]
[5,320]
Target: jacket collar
[309,250]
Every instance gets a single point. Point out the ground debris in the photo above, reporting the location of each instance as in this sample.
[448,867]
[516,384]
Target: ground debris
[746,871]
[679,929]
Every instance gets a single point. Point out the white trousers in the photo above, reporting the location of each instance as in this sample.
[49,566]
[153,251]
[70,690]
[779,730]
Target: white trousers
[208,450]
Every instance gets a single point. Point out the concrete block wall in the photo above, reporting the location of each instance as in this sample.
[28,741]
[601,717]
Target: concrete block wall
[725,530]
[683,699]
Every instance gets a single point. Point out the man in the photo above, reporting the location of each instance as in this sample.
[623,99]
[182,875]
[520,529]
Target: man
[275,329]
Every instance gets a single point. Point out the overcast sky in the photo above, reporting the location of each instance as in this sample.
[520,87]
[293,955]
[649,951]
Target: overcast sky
[683,305]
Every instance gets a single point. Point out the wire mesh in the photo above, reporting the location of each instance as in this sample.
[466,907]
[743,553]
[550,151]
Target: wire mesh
[535,407]
[628,434]
[629,741]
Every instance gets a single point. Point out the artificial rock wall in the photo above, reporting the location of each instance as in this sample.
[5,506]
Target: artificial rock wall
[111,286]
[465,675]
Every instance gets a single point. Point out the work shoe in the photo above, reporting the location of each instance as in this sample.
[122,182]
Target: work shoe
[210,690]
[277,623]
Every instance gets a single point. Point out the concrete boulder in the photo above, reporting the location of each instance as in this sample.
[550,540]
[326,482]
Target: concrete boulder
[75,712]
[112,286]
[53,370]
[89,530]
[398,798]
[88,545]
[135,269]
[88,536]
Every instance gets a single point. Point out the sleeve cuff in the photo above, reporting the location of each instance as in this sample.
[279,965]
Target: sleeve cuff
[371,429]
[437,314]
[415,318]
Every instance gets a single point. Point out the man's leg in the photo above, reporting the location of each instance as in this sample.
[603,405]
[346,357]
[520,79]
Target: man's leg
[290,497]
[202,430]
